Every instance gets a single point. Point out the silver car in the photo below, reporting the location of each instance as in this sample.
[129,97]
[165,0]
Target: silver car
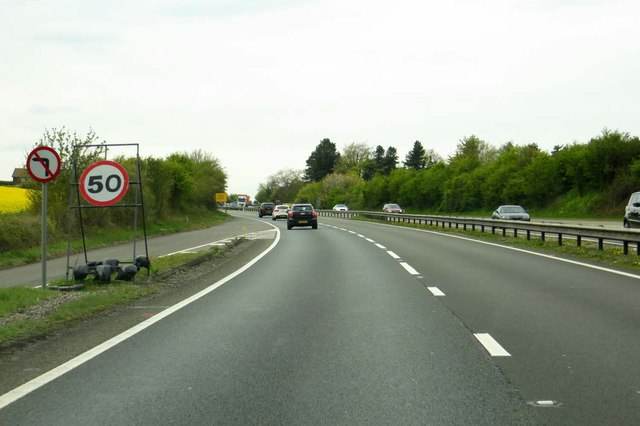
[511,213]
[392,208]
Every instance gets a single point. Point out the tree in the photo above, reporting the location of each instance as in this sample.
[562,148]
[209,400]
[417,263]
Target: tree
[209,176]
[86,150]
[354,159]
[322,161]
[390,160]
[431,158]
[416,158]
[374,165]
[157,175]
[283,186]
[471,153]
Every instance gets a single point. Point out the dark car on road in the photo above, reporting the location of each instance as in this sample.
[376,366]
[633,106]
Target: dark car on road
[265,209]
[302,215]
[632,212]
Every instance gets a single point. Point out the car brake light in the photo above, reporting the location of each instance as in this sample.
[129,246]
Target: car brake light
[313,214]
[291,214]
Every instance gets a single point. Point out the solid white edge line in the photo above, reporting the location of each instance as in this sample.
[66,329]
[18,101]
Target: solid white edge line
[409,269]
[20,391]
[392,254]
[491,345]
[559,259]
[435,291]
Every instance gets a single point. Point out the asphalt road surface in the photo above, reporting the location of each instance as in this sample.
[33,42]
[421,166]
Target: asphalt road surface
[360,323]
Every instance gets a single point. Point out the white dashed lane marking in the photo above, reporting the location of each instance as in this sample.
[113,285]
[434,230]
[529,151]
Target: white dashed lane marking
[488,342]
[491,345]
[392,254]
[436,291]
[409,269]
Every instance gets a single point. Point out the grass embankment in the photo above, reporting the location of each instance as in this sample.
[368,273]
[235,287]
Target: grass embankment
[95,237]
[610,255]
[30,312]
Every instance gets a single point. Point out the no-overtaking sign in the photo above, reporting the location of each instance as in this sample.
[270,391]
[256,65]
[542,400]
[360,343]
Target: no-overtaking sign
[104,183]
[43,164]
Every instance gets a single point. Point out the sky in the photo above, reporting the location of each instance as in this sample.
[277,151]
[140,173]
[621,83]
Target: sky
[258,84]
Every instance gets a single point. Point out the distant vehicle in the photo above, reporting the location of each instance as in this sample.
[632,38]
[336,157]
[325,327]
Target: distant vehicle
[302,215]
[265,209]
[341,207]
[392,208]
[244,201]
[511,212]
[632,212]
[280,212]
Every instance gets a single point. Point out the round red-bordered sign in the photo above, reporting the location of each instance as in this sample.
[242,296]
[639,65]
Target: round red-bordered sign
[104,183]
[44,164]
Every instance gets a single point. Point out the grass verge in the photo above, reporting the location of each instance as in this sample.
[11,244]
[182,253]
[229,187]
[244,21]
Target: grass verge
[611,255]
[28,313]
[97,237]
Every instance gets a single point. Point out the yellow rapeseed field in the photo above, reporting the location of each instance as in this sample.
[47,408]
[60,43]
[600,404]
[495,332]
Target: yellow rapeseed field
[13,200]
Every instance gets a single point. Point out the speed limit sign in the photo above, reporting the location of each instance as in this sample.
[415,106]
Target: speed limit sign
[104,183]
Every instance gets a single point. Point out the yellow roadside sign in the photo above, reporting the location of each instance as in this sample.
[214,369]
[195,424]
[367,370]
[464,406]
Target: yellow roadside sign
[221,197]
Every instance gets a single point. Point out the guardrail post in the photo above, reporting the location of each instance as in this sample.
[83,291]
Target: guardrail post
[542,235]
[579,240]
[515,232]
[528,235]
[559,239]
[625,247]
[600,244]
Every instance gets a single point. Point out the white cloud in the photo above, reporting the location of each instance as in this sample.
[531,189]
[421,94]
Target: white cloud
[259,84]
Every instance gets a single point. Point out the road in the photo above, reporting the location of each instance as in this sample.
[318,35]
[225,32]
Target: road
[361,323]
[31,275]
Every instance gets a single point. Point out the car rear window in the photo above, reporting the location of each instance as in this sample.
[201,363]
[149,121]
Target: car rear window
[303,208]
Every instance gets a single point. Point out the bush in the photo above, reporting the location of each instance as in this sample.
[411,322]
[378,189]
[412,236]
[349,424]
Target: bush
[20,230]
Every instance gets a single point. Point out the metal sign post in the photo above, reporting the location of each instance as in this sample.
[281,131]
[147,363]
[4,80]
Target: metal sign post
[43,164]
[45,190]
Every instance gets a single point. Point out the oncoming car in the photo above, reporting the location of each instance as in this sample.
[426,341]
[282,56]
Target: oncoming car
[392,208]
[511,213]
[280,212]
[340,207]
[632,212]
[302,215]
